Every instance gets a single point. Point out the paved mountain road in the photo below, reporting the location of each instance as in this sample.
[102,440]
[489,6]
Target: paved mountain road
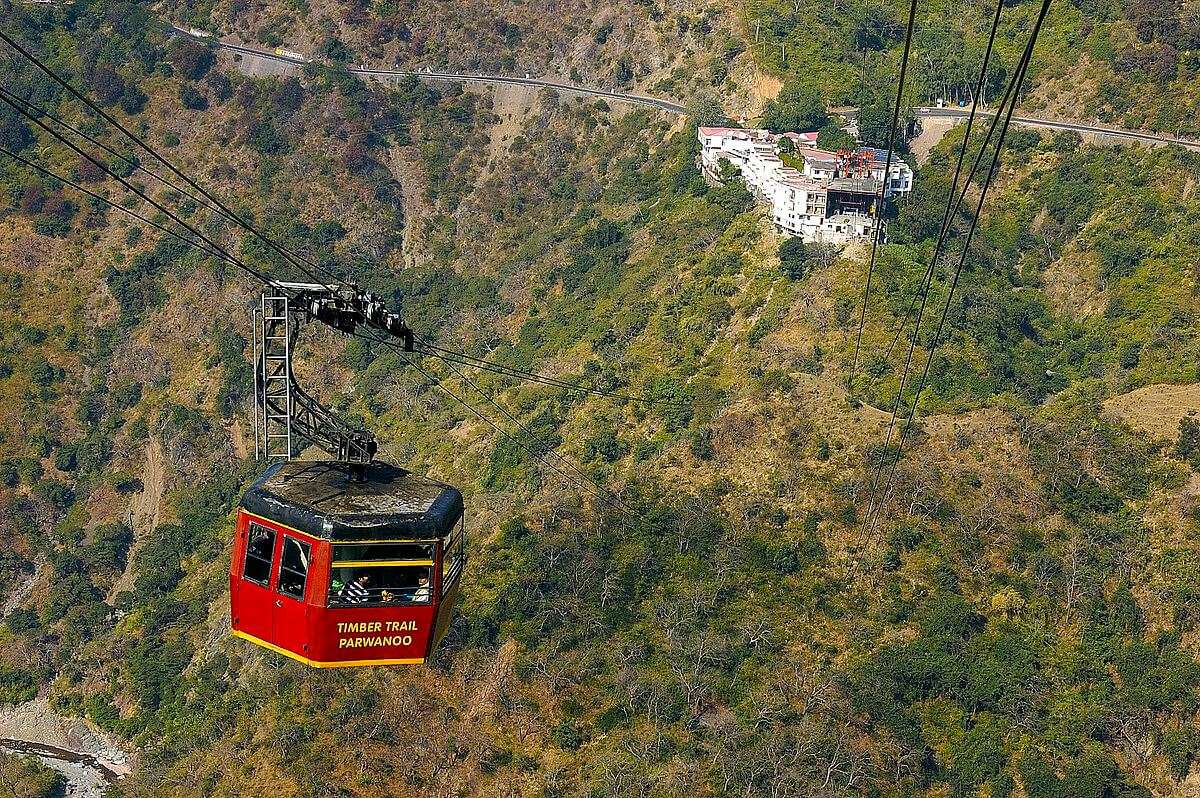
[1054,124]
[456,77]
[662,104]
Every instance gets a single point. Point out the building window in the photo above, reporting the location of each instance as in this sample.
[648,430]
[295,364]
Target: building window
[260,554]
[293,567]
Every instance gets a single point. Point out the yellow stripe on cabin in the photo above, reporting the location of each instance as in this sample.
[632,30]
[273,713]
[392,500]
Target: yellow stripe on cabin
[316,664]
[377,563]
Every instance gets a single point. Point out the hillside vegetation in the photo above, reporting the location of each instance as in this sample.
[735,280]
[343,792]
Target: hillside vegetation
[1019,619]
[1095,59]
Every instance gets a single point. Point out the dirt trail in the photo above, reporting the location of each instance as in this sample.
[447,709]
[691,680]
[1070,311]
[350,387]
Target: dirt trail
[753,318]
[21,592]
[408,173]
[145,509]
[512,104]
[238,436]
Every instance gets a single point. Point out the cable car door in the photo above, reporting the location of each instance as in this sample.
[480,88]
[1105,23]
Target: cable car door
[290,613]
[255,597]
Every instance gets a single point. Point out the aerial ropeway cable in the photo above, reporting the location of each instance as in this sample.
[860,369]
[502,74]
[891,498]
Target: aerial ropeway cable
[491,400]
[307,266]
[133,163]
[141,143]
[883,184]
[117,206]
[209,246]
[596,488]
[204,200]
[462,359]
[948,215]
[1007,107]
[951,210]
[136,191]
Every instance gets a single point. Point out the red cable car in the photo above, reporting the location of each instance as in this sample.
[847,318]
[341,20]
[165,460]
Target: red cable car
[338,564]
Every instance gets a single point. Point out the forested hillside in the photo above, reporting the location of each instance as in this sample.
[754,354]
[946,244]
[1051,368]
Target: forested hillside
[1094,59]
[1019,620]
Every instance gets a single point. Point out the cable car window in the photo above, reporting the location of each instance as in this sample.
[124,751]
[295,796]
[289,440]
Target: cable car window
[454,558]
[260,553]
[369,552]
[376,586]
[293,567]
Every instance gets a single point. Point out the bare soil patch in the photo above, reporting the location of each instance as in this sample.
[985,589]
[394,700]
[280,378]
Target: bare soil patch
[511,104]
[932,130]
[146,508]
[403,165]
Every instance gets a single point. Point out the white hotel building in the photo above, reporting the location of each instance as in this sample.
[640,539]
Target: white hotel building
[830,200]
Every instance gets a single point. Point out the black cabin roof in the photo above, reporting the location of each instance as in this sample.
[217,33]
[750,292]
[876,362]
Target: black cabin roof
[324,499]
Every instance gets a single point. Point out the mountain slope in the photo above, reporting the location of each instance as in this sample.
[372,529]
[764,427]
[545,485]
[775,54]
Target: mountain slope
[1018,620]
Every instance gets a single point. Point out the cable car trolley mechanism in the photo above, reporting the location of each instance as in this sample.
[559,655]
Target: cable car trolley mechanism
[343,561]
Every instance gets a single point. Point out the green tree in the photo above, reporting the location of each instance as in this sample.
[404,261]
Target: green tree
[109,547]
[107,84]
[875,125]
[1187,447]
[797,109]
[190,59]
[335,50]
[705,109]
[26,777]
[14,133]
[832,137]
[624,70]
[793,257]
[874,29]
[65,458]
[192,98]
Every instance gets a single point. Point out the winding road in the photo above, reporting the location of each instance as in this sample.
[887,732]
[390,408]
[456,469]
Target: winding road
[1053,124]
[659,103]
[566,88]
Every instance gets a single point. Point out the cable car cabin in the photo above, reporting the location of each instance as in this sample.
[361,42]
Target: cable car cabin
[334,571]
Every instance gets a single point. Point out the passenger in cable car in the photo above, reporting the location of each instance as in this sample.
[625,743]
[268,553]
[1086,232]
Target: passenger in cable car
[382,586]
[356,591]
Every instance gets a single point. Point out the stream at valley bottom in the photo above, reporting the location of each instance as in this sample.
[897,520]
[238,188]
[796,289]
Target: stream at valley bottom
[87,776]
[88,759]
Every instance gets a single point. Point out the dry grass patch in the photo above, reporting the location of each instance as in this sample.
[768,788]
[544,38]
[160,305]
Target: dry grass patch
[1156,409]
